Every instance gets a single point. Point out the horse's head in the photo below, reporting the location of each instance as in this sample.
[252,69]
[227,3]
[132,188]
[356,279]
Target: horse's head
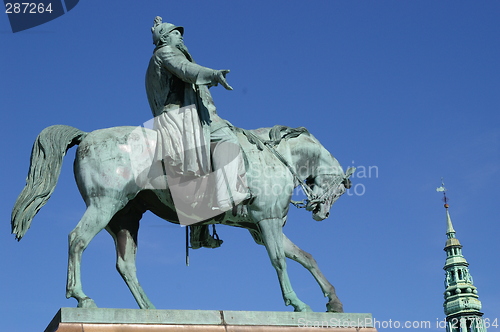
[326,189]
[325,180]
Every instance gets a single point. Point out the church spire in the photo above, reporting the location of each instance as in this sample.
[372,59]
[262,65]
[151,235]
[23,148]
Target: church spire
[449,229]
[461,302]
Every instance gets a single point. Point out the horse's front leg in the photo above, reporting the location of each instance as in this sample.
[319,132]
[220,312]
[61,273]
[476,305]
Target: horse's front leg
[273,238]
[307,261]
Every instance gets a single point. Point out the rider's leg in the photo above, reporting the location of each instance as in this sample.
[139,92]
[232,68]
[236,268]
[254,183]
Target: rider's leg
[228,164]
[230,184]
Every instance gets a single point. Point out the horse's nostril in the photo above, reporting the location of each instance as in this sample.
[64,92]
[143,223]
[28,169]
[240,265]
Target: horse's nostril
[327,214]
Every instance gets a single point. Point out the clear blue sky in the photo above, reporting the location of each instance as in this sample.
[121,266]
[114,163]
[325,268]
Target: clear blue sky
[411,88]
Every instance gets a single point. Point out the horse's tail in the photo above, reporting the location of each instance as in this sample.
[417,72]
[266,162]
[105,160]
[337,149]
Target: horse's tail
[47,155]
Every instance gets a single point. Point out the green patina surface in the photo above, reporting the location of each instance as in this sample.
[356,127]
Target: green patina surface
[461,305]
[122,172]
[207,317]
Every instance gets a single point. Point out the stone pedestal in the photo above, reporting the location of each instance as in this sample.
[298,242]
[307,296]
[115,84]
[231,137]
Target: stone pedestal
[128,320]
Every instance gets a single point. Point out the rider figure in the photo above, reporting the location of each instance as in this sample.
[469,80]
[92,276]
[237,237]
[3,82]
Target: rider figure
[187,121]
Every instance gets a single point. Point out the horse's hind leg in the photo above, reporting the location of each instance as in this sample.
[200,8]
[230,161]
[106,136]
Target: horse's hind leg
[306,260]
[96,217]
[124,228]
[273,238]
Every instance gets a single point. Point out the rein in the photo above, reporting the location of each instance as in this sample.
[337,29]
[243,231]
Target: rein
[278,155]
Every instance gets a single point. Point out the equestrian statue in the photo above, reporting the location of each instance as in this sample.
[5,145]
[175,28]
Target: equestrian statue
[189,167]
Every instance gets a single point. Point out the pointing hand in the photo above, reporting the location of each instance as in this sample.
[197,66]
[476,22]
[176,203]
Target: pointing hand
[220,77]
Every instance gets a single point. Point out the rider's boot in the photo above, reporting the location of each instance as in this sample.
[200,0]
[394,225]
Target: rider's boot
[201,237]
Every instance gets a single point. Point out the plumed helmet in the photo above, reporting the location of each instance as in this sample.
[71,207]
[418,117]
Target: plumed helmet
[160,29]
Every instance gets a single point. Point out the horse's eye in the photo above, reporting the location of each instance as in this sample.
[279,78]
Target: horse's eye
[310,181]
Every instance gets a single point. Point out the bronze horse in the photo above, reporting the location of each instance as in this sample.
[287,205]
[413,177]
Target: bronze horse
[108,170]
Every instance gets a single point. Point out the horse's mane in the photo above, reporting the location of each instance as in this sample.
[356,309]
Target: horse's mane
[276,135]
[279,133]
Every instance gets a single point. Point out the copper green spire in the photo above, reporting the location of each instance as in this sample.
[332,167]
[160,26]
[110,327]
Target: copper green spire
[461,302]
[449,229]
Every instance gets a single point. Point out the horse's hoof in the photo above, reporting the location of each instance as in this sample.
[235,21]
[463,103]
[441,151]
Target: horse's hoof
[334,306]
[86,303]
[304,308]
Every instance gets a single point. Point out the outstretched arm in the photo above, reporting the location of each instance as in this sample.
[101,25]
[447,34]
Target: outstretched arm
[177,63]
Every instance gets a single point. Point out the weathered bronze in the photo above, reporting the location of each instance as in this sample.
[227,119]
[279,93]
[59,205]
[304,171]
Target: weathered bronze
[109,171]
[121,174]
[193,139]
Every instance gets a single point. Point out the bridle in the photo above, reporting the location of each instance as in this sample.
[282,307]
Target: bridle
[328,195]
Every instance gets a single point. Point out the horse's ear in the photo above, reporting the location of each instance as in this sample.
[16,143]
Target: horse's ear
[350,171]
[347,182]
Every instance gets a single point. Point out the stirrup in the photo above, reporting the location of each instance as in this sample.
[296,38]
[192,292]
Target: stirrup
[207,243]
